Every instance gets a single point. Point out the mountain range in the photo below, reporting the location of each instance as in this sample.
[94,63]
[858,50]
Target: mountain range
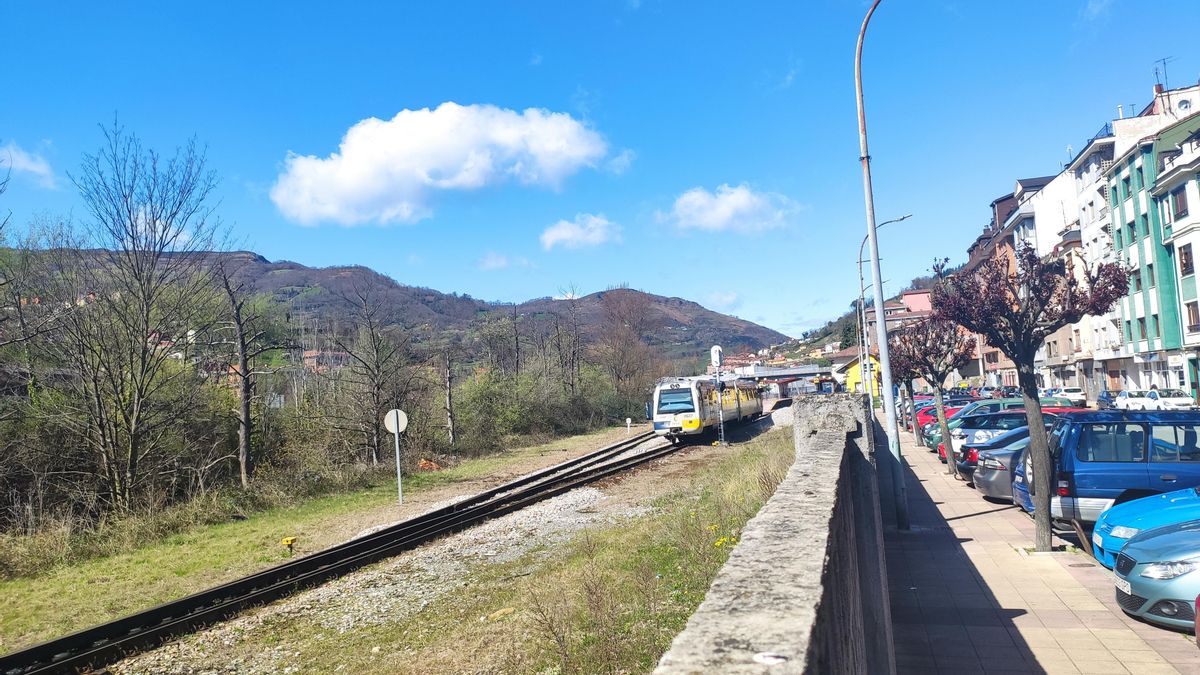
[681,327]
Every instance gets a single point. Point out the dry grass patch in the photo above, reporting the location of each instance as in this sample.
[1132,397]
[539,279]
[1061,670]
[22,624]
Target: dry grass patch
[609,602]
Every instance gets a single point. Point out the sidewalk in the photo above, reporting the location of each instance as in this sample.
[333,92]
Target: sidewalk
[967,598]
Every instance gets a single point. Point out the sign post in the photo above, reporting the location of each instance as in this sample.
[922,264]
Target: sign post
[717,359]
[396,422]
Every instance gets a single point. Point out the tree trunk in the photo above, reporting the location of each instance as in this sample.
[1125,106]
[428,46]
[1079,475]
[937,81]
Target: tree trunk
[911,416]
[903,410]
[1039,454]
[951,467]
[449,401]
[245,420]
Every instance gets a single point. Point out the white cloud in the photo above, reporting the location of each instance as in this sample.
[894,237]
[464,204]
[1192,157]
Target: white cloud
[621,162]
[386,170]
[585,230]
[13,158]
[493,261]
[731,208]
[725,300]
[1095,9]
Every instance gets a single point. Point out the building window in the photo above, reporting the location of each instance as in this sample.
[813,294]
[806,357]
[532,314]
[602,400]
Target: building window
[1150,275]
[1157,327]
[1179,202]
[1132,232]
[1193,317]
[1135,280]
[1186,264]
[1125,188]
[1120,244]
[1142,328]
[1138,183]
[1145,224]
[1075,343]
[1128,332]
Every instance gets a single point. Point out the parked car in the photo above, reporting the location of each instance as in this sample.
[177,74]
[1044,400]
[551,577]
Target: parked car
[1158,575]
[1169,399]
[933,435]
[993,475]
[1076,395]
[1131,399]
[1122,522]
[927,418]
[1106,399]
[1102,458]
[970,455]
[980,428]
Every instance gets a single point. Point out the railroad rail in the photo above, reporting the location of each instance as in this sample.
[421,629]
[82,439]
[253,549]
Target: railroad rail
[106,643]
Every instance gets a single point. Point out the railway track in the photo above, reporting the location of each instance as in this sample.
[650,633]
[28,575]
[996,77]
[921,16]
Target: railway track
[101,645]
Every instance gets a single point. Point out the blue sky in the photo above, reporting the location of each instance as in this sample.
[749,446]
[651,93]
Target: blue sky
[696,149]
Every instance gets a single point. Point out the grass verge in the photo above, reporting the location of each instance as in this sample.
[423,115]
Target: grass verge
[142,568]
[610,601]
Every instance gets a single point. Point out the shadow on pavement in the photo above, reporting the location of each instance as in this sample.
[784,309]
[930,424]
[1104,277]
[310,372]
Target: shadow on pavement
[945,619]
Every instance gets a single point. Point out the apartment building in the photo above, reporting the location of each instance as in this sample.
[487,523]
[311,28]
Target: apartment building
[1176,186]
[1151,315]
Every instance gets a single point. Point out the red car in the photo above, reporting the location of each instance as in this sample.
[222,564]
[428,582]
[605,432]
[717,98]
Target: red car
[930,414]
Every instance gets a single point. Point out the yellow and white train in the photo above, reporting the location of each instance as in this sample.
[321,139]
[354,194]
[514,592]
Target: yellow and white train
[688,406]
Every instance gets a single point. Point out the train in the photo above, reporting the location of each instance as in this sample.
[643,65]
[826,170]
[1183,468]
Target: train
[688,406]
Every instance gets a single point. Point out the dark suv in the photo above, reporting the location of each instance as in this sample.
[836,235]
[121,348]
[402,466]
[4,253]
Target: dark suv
[1101,458]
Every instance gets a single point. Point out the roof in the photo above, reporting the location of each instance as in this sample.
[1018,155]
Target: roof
[1034,183]
[848,352]
[1133,416]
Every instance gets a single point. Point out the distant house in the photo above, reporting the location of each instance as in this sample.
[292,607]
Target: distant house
[912,306]
[324,361]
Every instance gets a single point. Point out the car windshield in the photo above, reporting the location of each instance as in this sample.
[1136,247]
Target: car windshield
[1134,393]
[965,411]
[675,401]
[1172,393]
[1008,437]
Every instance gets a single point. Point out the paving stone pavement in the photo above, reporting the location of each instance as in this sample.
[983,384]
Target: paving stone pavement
[967,598]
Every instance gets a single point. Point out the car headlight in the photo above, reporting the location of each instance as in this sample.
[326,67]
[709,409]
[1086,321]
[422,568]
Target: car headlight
[1122,532]
[1170,569]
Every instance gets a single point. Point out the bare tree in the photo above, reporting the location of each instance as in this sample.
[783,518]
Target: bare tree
[621,348]
[379,377]
[137,294]
[251,332]
[1016,307]
[933,349]
[568,341]
[904,370]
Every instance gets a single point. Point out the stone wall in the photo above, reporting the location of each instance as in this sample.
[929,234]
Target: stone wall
[806,588]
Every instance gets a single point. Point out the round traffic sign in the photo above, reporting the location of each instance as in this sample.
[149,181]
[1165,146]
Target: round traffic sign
[395,421]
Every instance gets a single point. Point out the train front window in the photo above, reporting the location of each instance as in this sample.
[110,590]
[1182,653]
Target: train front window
[675,401]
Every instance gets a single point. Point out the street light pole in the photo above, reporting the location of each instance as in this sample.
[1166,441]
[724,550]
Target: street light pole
[889,397]
[864,351]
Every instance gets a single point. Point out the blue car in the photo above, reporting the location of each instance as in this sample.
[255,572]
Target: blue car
[1158,575]
[1020,488]
[1102,458]
[1124,521]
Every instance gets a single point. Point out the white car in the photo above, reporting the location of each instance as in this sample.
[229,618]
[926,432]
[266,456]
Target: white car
[1075,395]
[1132,399]
[980,428]
[1169,399]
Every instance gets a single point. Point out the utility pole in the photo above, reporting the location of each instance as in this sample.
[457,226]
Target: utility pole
[889,396]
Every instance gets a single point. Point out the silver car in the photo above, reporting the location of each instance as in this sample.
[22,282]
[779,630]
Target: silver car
[1158,575]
